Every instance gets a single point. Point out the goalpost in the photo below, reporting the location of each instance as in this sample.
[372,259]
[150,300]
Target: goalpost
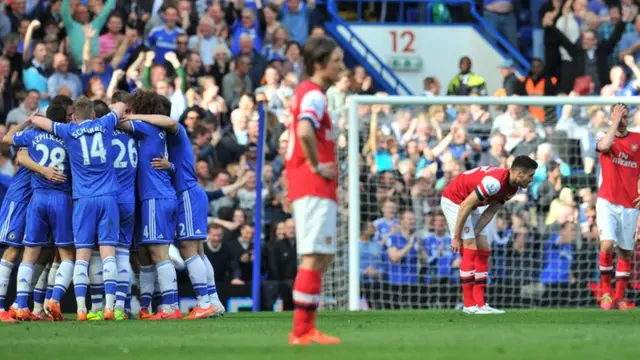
[517,248]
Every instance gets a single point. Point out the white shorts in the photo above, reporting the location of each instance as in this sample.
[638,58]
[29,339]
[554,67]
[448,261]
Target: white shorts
[450,210]
[617,223]
[316,225]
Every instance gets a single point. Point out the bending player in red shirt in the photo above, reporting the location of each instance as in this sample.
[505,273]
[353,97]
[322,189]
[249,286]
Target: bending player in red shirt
[469,203]
[616,206]
[312,185]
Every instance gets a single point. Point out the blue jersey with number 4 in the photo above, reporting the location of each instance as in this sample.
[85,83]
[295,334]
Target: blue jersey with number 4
[152,183]
[125,153]
[49,151]
[89,146]
[182,156]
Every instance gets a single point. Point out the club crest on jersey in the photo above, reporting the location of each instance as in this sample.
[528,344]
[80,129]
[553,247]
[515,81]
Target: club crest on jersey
[328,240]
[634,147]
[12,236]
[466,229]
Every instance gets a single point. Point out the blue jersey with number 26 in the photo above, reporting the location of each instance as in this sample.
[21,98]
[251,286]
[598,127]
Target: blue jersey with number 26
[89,146]
[125,153]
[47,150]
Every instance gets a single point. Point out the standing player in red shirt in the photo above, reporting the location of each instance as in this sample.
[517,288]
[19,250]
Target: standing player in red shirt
[469,203]
[616,206]
[312,185]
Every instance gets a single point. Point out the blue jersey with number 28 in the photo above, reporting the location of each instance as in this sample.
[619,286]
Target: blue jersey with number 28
[89,146]
[47,150]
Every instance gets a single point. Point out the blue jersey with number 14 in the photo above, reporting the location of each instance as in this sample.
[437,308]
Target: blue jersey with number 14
[125,153]
[89,146]
[182,157]
[49,151]
[152,183]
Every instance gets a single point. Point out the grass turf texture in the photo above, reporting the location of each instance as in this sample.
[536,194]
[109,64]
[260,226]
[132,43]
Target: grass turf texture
[519,334]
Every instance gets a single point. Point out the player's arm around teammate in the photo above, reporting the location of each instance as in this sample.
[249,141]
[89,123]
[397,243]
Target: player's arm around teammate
[50,173]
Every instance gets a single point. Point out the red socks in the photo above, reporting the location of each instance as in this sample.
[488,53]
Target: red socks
[306,296]
[467,276]
[623,272]
[482,272]
[606,273]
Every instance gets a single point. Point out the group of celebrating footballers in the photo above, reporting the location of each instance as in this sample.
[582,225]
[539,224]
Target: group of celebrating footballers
[78,195]
[75,191]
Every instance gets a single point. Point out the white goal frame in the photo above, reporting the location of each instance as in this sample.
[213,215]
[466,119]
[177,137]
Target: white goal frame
[354,151]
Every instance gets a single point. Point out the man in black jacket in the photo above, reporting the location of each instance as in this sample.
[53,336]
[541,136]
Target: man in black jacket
[221,257]
[283,263]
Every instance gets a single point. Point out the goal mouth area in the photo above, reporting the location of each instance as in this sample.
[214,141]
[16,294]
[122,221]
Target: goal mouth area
[357,133]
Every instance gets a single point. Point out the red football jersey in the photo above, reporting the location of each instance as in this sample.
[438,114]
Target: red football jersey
[619,170]
[490,183]
[310,104]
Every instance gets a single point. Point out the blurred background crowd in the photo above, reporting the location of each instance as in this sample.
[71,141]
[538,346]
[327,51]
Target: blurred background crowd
[216,60]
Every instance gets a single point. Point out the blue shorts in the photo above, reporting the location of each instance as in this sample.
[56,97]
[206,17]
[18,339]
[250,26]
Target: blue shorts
[127,224]
[158,221]
[96,221]
[49,218]
[13,217]
[193,207]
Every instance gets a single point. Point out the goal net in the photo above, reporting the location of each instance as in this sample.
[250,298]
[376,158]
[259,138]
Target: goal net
[396,155]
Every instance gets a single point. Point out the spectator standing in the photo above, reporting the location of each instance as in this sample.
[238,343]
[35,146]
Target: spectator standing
[245,23]
[162,39]
[467,82]
[501,14]
[510,81]
[538,83]
[237,82]
[74,28]
[109,42]
[62,78]
[26,108]
[295,15]
[204,42]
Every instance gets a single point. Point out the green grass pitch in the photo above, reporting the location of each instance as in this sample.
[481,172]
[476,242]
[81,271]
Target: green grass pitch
[517,335]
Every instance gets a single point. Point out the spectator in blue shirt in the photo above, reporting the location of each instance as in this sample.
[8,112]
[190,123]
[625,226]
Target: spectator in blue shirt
[162,39]
[557,272]
[62,78]
[630,43]
[249,25]
[295,16]
[442,263]
[35,76]
[403,265]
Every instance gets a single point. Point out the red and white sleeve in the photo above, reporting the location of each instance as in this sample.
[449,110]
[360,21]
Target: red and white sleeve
[489,186]
[312,107]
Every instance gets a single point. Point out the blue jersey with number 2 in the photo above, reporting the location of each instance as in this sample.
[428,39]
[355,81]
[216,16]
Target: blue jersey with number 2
[89,146]
[47,150]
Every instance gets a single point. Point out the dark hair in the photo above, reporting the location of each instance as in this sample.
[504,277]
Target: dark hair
[165,106]
[200,130]
[120,96]
[57,112]
[523,162]
[317,50]
[100,108]
[144,102]
[167,7]
[551,166]
[625,106]
[62,100]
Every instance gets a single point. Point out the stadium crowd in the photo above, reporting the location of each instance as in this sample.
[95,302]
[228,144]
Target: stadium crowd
[217,60]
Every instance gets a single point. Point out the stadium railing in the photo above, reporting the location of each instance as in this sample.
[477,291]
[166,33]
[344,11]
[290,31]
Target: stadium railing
[360,195]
